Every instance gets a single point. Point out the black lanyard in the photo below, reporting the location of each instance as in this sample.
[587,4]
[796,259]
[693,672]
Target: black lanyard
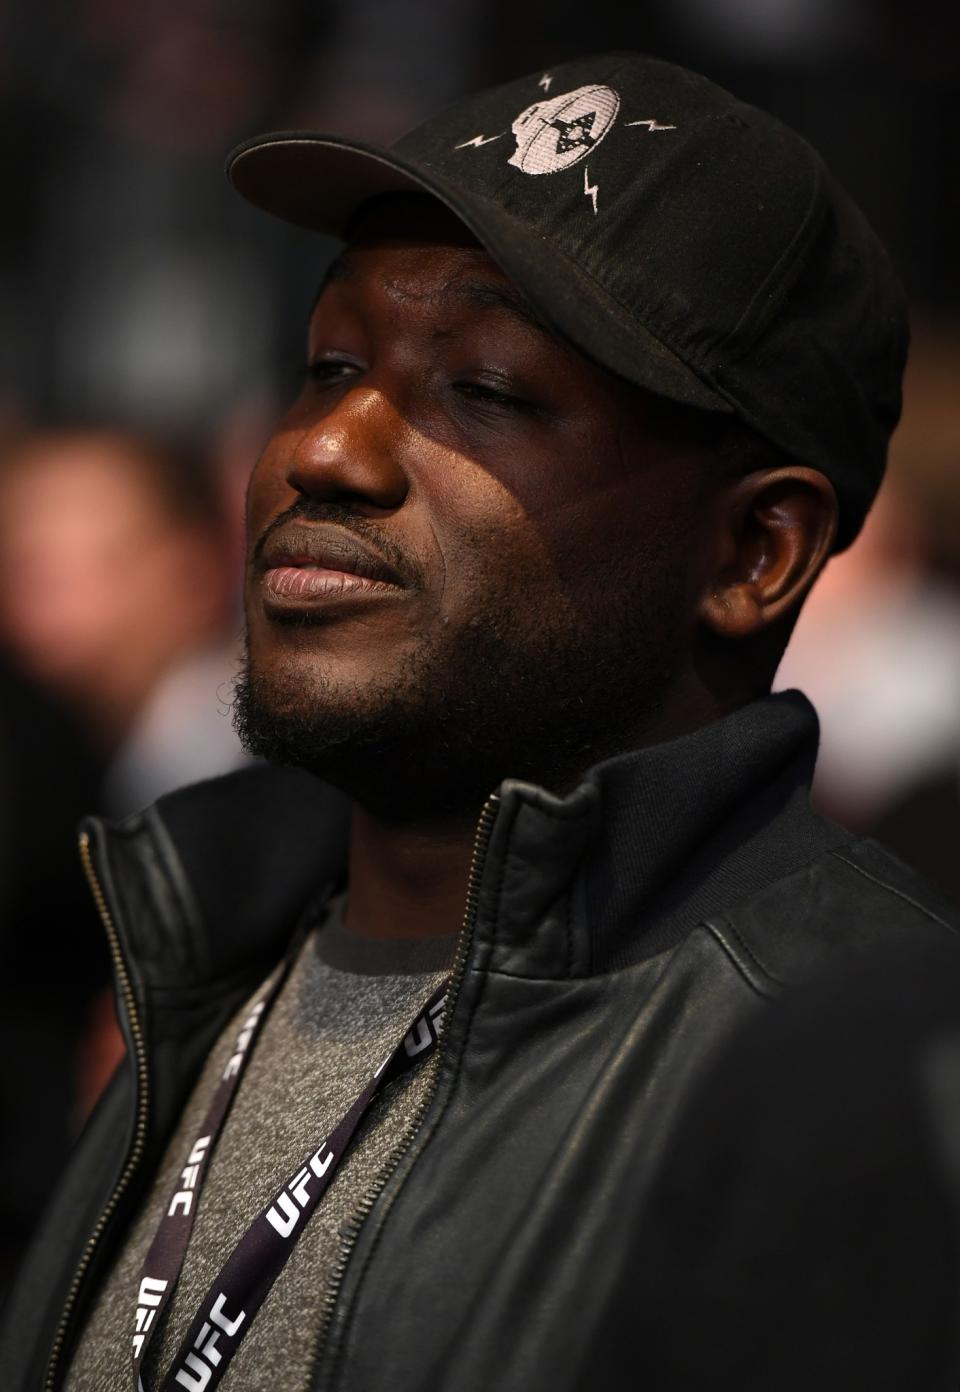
[230,1305]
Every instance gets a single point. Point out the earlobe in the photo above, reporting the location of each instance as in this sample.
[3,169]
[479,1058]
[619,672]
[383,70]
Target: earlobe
[779,526]
[733,611]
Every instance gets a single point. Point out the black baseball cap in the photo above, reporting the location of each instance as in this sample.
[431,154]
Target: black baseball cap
[684,240]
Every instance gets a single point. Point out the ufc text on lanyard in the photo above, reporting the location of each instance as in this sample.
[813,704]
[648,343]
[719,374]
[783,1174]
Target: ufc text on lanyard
[231,1304]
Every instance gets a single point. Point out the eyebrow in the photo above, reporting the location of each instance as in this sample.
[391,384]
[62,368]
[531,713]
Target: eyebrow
[474,293]
[503,298]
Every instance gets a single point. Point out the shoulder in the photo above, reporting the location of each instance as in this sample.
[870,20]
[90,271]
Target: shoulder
[853,900]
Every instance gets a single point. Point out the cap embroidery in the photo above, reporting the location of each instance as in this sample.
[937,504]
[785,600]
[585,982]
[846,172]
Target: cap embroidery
[650,125]
[590,190]
[558,132]
[478,140]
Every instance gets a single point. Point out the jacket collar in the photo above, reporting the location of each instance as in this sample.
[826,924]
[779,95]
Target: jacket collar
[210,882]
[651,843]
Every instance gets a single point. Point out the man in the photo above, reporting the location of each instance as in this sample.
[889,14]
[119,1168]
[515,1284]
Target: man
[605,373]
[97,528]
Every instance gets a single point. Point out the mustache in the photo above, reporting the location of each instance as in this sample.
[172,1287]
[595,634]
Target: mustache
[315,510]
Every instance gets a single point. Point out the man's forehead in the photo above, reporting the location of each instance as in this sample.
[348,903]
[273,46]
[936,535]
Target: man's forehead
[410,267]
[419,251]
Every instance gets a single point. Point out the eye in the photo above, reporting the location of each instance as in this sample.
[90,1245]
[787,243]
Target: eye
[327,370]
[492,395]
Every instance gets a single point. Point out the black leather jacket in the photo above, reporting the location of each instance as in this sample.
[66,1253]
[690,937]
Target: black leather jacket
[614,941]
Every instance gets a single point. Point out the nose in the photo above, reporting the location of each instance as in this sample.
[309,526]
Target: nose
[353,452]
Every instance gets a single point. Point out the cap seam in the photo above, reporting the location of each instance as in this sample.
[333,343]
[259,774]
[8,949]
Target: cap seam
[803,233]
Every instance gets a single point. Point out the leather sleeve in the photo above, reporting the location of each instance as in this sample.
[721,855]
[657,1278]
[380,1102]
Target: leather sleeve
[38,1294]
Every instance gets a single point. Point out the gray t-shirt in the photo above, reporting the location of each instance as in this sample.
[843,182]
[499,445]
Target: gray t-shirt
[343,1008]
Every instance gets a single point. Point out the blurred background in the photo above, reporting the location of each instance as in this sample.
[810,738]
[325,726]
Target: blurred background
[151,328]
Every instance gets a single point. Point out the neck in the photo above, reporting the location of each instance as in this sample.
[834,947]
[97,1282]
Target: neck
[408,880]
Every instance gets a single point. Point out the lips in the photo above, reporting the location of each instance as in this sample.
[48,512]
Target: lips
[311,563]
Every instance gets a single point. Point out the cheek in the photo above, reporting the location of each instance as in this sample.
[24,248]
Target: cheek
[594,532]
[625,545]
[574,501]
[268,492]
[492,550]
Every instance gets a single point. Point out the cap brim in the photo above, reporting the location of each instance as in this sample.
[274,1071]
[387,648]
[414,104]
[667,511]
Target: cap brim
[320,182]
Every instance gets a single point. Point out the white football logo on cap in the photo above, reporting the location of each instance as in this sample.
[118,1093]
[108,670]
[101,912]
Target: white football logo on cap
[557,133]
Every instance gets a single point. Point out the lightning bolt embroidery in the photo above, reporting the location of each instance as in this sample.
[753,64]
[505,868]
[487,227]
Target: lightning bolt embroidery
[650,125]
[545,81]
[590,190]
[477,141]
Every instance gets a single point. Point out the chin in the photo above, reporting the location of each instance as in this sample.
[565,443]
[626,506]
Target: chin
[296,710]
[392,742]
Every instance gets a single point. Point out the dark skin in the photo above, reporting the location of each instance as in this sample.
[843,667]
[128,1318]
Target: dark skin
[560,553]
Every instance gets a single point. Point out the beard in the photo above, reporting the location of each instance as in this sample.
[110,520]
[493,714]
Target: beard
[535,691]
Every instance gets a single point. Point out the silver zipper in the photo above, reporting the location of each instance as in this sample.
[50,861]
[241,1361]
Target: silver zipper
[351,1229]
[143,1090]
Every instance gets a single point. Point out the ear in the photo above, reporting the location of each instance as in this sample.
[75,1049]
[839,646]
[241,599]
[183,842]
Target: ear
[778,528]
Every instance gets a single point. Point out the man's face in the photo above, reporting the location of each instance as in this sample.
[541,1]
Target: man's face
[530,541]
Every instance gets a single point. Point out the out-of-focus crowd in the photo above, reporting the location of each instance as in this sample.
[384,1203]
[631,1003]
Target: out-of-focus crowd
[150,326]
[877,648]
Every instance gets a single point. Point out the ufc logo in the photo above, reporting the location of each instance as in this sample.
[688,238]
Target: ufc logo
[198,1365]
[151,1290]
[426,1029]
[243,1041]
[182,1200]
[285,1213]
